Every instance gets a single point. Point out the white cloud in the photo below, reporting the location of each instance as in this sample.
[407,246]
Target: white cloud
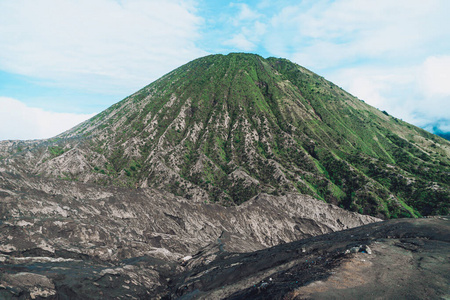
[259,28]
[245,13]
[19,121]
[325,34]
[436,76]
[240,42]
[444,126]
[418,94]
[97,44]
[247,29]
[381,88]
[392,54]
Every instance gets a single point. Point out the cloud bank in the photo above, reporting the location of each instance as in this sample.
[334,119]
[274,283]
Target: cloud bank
[18,121]
[98,45]
[107,47]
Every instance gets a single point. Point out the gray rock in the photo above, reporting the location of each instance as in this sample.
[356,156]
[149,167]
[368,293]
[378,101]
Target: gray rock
[355,249]
[31,284]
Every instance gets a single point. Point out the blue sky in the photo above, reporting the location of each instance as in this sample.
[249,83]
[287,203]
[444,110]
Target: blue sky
[63,61]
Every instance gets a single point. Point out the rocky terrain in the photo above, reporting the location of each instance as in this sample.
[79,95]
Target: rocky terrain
[405,259]
[116,223]
[401,259]
[56,234]
[232,177]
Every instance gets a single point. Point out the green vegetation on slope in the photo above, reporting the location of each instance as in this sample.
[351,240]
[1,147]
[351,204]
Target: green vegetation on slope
[237,125]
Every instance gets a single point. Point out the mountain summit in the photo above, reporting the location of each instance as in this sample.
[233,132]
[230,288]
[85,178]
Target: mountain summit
[224,128]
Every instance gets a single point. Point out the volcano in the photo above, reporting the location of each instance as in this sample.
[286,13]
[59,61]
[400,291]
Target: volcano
[230,164]
[224,128]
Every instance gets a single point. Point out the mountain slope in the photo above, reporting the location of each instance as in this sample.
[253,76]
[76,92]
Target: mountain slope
[225,128]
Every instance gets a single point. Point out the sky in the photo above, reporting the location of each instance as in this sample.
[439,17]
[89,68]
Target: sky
[63,61]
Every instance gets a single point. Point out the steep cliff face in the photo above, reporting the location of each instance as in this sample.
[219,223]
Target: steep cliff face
[225,128]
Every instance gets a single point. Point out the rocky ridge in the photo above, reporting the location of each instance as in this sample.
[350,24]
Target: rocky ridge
[116,223]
